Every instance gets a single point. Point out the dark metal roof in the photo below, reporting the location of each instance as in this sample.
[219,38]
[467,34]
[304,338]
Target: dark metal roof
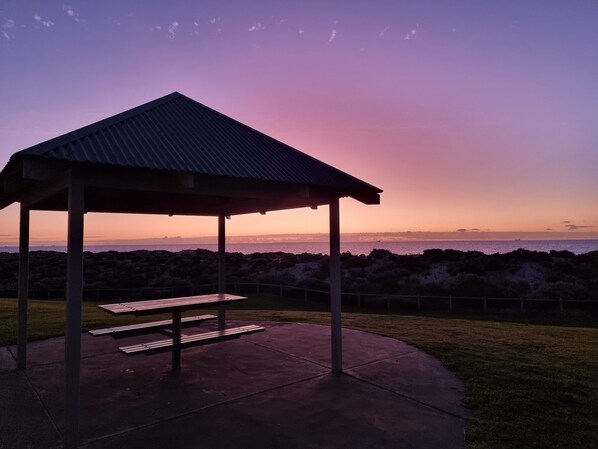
[177,133]
[193,159]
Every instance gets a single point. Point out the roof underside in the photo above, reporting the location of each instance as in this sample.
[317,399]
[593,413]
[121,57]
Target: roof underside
[176,156]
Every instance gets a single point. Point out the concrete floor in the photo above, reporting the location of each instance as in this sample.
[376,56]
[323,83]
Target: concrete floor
[272,389]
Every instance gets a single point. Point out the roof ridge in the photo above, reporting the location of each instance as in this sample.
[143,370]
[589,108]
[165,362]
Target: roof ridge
[93,128]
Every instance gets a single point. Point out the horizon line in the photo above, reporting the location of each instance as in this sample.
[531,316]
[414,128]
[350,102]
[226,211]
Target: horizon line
[322,237]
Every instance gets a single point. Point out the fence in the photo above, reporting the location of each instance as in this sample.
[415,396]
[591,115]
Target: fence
[349,299]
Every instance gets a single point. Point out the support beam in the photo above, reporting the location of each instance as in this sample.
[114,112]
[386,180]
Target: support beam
[23,287]
[74,296]
[221,269]
[335,287]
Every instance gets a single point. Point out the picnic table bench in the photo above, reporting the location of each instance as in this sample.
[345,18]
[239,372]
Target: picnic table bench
[175,306]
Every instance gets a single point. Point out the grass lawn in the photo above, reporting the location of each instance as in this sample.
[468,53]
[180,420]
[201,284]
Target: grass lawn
[531,381]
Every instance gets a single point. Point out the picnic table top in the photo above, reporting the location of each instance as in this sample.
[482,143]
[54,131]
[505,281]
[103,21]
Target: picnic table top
[169,304]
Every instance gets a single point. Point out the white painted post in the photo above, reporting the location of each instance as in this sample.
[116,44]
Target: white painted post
[74,296]
[221,269]
[23,288]
[335,287]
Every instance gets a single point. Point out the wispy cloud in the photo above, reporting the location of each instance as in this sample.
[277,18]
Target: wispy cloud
[71,12]
[411,34]
[6,29]
[332,35]
[573,227]
[383,31]
[301,31]
[213,20]
[172,28]
[44,22]
[257,27]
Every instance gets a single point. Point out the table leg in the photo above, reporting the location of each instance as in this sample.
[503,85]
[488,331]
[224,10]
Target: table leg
[176,337]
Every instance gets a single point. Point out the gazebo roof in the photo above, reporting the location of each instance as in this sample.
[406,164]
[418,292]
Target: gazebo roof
[174,155]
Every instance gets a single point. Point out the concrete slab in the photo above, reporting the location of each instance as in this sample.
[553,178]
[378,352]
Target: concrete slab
[7,362]
[313,343]
[272,389]
[423,378]
[24,422]
[330,411]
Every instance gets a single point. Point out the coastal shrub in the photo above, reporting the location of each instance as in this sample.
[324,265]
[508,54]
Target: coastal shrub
[564,290]
[467,284]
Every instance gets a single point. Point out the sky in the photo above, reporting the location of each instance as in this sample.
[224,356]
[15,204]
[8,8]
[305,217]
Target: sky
[472,116]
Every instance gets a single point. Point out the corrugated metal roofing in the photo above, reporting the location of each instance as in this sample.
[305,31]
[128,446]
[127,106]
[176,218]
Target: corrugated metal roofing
[177,133]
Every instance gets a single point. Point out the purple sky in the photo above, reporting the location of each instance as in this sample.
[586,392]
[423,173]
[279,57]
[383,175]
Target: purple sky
[469,115]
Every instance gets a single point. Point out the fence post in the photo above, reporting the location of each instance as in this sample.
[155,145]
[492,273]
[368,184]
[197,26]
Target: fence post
[280,286]
[419,306]
[561,304]
[359,300]
[387,303]
[451,303]
[485,304]
[521,301]
[305,294]
[258,288]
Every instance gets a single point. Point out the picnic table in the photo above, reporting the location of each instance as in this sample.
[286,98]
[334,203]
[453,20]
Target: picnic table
[173,327]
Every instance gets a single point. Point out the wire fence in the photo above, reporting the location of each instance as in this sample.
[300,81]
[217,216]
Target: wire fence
[349,299]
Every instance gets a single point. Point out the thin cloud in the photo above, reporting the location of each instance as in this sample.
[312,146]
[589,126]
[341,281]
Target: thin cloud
[6,29]
[8,24]
[172,30]
[301,31]
[257,27]
[566,221]
[383,31]
[213,20]
[332,35]
[71,12]
[573,227]
[411,35]
[46,23]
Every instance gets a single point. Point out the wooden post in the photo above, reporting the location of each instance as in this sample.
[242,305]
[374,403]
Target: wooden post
[74,296]
[521,302]
[335,287]
[561,304]
[451,303]
[418,303]
[485,304]
[23,288]
[221,269]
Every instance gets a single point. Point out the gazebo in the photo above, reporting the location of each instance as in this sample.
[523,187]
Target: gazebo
[170,156]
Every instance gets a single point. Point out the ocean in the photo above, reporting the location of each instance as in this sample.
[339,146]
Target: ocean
[398,247]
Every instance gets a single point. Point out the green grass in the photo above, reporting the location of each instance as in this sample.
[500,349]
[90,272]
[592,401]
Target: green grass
[531,381]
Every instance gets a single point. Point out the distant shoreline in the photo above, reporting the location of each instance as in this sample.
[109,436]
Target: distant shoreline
[577,246]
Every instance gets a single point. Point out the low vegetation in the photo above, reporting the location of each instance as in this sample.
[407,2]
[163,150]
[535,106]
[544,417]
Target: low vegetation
[518,274]
[531,381]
